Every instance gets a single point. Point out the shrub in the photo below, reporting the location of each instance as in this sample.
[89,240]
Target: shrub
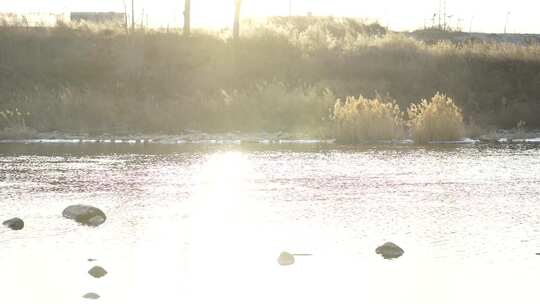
[360,119]
[436,120]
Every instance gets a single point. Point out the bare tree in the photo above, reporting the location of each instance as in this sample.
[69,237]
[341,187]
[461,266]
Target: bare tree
[236,27]
[187,17]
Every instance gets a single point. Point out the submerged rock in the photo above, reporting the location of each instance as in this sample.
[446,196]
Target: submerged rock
[14,223]
[91,296]
[86,215]
[389,251]
[97,272]
[285,259]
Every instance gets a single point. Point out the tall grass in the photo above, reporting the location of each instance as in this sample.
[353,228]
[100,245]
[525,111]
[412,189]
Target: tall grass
[436,120]
[13,119]
[273,106]
[362,119]
[87,78]
[13,124]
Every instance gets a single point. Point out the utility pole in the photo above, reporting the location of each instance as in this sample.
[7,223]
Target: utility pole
[440,13]
[236,38]
[470,24]
[187,17]
[132,15]
[236,26]
[506,21]
[126,24]
[444,14]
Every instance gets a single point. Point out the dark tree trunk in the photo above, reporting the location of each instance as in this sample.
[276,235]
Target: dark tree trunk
[187,17]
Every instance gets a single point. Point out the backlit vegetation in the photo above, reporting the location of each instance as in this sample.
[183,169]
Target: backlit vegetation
[271,107]
[13,119]
[362,119]
[87,78]
[13,123]
[436,120]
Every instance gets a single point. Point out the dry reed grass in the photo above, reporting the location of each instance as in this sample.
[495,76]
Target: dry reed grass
[436,120]
[362,119]
[83,77]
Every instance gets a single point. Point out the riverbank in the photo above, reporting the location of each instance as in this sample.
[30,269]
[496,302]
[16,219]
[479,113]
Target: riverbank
[232,138]
[281,76]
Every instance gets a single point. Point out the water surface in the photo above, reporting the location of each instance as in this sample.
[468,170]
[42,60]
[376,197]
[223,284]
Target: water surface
[205,224]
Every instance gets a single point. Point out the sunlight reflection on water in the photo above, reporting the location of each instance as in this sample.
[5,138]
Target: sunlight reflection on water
[207,225]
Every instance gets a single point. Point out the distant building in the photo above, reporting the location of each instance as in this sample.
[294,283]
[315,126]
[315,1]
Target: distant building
[32,19]
[98,17]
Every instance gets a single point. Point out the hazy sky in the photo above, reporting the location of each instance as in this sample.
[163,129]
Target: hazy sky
[486,15]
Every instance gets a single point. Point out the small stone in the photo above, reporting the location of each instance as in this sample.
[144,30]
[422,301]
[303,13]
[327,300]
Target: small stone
[389,251]
[86,215]
[91,296]
[97,272]
[14,223]
[285,259]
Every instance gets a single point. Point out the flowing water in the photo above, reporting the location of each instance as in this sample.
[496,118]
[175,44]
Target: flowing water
[206,223]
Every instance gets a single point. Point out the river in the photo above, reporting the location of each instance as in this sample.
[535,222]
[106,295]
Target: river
[192,223]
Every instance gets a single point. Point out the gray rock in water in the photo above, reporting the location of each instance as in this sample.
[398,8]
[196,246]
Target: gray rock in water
[389,251]
[86,215]
[91,296]
[285,259]
[97,272]
[14,223]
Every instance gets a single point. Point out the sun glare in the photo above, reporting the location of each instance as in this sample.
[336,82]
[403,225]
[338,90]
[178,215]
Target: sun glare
[207,13]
